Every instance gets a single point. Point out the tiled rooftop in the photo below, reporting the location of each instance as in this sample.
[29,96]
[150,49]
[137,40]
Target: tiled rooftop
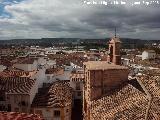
[152,84]
[19,116]
[56,94]
[76,58]
[126,103]
[17,73]
[100,65]
[16,84]
[26,60]
[129,103]
[53,70]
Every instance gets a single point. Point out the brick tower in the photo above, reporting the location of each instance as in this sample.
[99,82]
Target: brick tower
[114,50]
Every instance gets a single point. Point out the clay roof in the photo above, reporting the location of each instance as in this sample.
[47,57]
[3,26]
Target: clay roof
[152,84]
[53,70]
[17,73]
[102,65]
[19,85]
[56,94]
[26,61]
[19,116]
[11,68]
[126,103]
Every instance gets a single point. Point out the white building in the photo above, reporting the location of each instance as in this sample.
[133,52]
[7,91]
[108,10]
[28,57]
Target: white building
[19,95]
[148,54]
[28,64]
[2,67]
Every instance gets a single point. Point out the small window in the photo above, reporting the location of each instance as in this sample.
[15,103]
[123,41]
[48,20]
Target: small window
[2,99]
[57,113]
[23,103]
[78,86]
[79,94]
[16,109]
[9,108]
[67,110]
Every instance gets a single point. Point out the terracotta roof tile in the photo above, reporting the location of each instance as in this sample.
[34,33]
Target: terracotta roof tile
[7,73]
[16,84]
[100,65]
[18,116]
[127,103]
[56,94]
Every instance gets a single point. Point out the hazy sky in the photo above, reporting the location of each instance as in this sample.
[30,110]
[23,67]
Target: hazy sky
[74,18]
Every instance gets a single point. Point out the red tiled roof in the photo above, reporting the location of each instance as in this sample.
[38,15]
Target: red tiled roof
[16,84]
[57,94]
[26,61]
[53,70]
[19,116]
[17,73]
[127,103]
[98,65]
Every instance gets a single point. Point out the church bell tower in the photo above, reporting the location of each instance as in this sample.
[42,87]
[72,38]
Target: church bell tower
[114,50]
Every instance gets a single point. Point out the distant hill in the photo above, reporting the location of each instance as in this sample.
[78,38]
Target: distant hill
[126,42]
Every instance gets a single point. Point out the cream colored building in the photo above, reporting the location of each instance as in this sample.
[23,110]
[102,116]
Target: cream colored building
[17,89]
[17,93]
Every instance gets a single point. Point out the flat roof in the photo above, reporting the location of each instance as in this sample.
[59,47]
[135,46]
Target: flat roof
[102,65]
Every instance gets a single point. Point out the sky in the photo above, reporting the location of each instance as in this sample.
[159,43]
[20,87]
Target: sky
[77,19]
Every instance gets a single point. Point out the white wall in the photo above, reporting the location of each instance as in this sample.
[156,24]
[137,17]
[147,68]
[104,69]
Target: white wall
[68,68]
[51,63]
[65,76]
[33,91]
[26,67]
[41,76]
[48,113]
[125,61]
[148,55]
[41,61]
[2,68]
[73,85]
